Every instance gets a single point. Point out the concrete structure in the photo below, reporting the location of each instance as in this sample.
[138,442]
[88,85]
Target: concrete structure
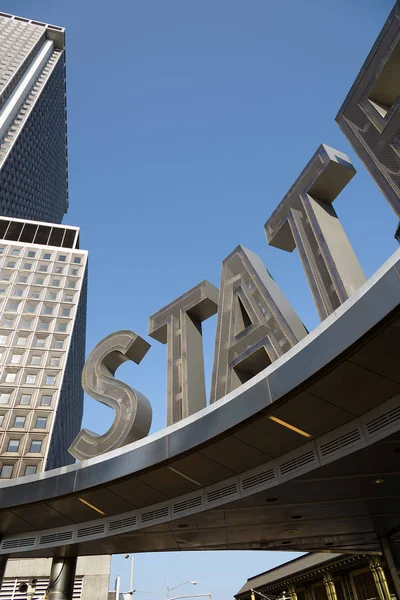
[91,581]
[179,326]
[42,344]
[256,324]
[305,219]
[32,120]
[324,576]
[370,114]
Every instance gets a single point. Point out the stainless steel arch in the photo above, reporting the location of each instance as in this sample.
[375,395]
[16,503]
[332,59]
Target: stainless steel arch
[37,510]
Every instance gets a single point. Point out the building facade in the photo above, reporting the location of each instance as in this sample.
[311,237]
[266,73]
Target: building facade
[323,576]
[42,344]
[33,133]
[91,581]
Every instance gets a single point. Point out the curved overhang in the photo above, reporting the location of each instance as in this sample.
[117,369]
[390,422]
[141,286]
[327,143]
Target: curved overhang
[321,473]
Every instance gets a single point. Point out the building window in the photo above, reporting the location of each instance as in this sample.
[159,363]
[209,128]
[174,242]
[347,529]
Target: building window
[52,296]
[46,400]
[27,266]
[26,324]
[13,307]
[30,308]
[47,256]
[18,292]
[31,379]
[62,258]
[69,298]
[6,277]
[35,295]
[22,279]
[59,344]
[8,322]
[30,470]
[77,260]
[40,342]
[54,361]
[21,341]
[1,420]
[4,397]
[72,284]
[11,377]
[43,268]
[59,270]
[25,399]
[50,380]
[36,360]
[56,282]
[48,310]
[36,446]
[39,281]
[62,327]
[41,423]
[6,471]
[15,252]
[31,254]
[2,291]
[44,325]
[66,312]
[3,339]
[11,264]
[19,421]
[16,359]
[75,272]
[13,445]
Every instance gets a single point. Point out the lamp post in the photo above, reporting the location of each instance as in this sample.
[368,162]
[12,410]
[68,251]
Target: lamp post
[169,589]
[129,595]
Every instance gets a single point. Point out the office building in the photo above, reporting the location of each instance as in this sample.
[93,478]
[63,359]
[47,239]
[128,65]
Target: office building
[33,142]
[42,344]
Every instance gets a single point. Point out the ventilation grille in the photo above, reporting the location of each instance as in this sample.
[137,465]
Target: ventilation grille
[259,479]
[187,504]
[55,537]
[223,492]
[94,530]
[347,439]
[297,463]
[122,523]
[153,515]
[389,418]
[21,543]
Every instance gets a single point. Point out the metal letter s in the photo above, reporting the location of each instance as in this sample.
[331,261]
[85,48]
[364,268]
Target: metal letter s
[133,412]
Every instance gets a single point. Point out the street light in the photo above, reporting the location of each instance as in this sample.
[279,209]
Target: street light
[169,589]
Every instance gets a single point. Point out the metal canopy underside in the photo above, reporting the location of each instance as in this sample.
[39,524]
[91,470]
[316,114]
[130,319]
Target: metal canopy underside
[231,478]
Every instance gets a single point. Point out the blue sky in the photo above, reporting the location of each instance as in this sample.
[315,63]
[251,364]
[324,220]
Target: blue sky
[188,121]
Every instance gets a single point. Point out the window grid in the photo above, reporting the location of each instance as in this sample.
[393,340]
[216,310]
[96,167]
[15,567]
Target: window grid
[36,323]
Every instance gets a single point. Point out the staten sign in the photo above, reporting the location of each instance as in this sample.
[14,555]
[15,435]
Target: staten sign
[256,323]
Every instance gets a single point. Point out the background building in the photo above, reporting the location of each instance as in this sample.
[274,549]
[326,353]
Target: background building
[324,576]
[33,142]
[42,344]
[91,581]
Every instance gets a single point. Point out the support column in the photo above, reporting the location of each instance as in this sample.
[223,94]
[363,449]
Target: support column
[3,564]
[379,578]
[392,564]
[62,577]
[292,592]
[330,586]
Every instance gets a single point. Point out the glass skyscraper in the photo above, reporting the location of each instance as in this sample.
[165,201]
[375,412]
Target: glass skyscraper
[33,130]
